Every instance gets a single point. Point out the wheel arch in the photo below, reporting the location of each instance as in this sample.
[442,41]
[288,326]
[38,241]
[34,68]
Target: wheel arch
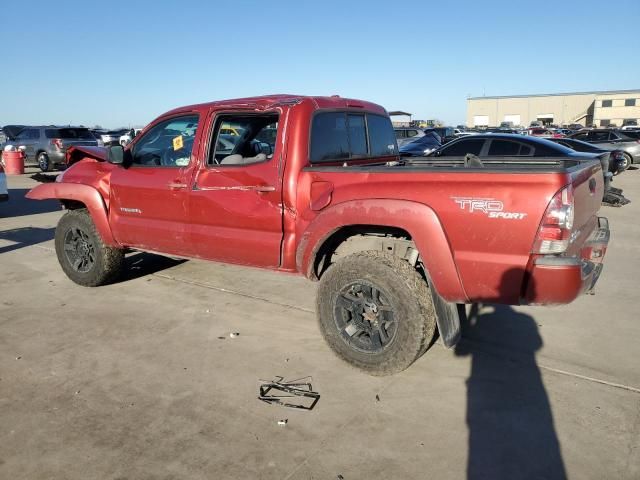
[404,223]
[73,196]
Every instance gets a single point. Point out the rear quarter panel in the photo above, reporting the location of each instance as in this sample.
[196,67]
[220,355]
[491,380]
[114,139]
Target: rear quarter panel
[491,254]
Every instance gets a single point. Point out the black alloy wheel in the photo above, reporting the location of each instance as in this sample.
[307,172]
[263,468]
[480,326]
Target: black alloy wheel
[79,250]
[365,317]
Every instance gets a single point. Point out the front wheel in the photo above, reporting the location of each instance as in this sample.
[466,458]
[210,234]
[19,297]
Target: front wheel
[376,312]
[628,161]
[81,252]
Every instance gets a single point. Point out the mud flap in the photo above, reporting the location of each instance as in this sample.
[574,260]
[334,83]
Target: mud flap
[447,319]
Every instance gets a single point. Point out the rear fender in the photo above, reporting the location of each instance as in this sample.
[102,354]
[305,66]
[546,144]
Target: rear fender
[417,219]
[85,194]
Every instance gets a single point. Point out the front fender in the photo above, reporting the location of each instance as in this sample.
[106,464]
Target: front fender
[85,194]
[418,219]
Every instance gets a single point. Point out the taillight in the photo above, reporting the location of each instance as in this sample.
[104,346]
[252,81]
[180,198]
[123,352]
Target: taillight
[555,230]
[57,142]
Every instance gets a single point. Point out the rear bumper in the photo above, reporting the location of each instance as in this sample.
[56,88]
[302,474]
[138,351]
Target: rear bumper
[559,280]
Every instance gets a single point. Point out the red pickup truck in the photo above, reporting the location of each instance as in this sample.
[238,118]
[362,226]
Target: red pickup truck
[315,186]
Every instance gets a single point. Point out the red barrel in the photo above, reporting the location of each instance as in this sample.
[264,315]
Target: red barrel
[13,162]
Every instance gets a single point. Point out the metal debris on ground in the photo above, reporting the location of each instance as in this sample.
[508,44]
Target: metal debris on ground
[292,394]
[613,197]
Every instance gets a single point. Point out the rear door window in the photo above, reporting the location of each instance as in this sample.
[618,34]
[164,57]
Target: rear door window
[504,147]
[342,135]
[462,147]
[329,138]
[382,143]
[599,136]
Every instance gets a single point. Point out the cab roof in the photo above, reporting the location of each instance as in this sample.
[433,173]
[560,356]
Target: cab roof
[266,102]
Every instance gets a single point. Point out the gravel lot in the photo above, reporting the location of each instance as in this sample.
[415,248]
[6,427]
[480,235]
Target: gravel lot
[141,380]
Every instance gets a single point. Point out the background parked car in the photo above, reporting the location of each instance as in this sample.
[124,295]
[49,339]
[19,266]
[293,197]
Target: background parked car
[129,136]
[112,137]
[47,145]
[420,146]
[495,144]
[544,132]
[616,159]
[446,134]
[612,140]
[406,135]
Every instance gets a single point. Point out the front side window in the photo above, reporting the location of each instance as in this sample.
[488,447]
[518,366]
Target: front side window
[167,144]
[412,133]
[243,139]
[341,136]
[463,147]
[607,103]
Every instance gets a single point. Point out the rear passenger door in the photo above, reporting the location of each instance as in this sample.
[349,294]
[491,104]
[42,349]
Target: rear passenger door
[235,204]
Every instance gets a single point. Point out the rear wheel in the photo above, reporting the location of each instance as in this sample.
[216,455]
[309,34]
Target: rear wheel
[44,163]
[82,255]
[376,312]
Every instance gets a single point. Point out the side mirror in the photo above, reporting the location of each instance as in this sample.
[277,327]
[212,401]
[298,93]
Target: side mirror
[115,154]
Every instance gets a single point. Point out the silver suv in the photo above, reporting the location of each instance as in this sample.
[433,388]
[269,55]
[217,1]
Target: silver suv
[47,146]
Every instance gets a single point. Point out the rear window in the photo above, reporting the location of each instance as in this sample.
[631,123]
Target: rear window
[342,135]
[69,133]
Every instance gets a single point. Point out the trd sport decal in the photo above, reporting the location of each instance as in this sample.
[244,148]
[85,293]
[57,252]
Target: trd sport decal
[491,207]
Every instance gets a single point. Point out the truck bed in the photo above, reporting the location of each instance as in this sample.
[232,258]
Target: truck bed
[457,164]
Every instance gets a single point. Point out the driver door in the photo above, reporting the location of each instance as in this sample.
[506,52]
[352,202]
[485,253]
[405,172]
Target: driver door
[148,206]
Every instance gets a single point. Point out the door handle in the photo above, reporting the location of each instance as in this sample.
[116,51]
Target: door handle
[264,188]
[177,185]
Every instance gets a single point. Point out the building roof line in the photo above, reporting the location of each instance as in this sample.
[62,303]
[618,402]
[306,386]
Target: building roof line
[595,92]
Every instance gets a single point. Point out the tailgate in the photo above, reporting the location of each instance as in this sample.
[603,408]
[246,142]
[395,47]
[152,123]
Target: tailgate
[588,189]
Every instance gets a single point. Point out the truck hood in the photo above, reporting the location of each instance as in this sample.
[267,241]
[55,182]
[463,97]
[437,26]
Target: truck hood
[77,153]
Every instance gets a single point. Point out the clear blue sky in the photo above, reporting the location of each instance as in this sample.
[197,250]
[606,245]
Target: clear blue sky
[120,63]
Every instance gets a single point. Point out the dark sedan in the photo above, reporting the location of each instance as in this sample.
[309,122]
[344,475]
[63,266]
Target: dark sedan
[507,145]
[421,146]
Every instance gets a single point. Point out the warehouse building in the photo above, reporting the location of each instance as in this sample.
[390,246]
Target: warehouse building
[605,108]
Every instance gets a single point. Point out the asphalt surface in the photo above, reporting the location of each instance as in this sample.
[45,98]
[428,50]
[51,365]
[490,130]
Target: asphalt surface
[141,380]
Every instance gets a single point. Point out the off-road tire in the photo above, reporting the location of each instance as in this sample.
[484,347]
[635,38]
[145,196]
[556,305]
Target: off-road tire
[411,302]
[108,262]
[44,162]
